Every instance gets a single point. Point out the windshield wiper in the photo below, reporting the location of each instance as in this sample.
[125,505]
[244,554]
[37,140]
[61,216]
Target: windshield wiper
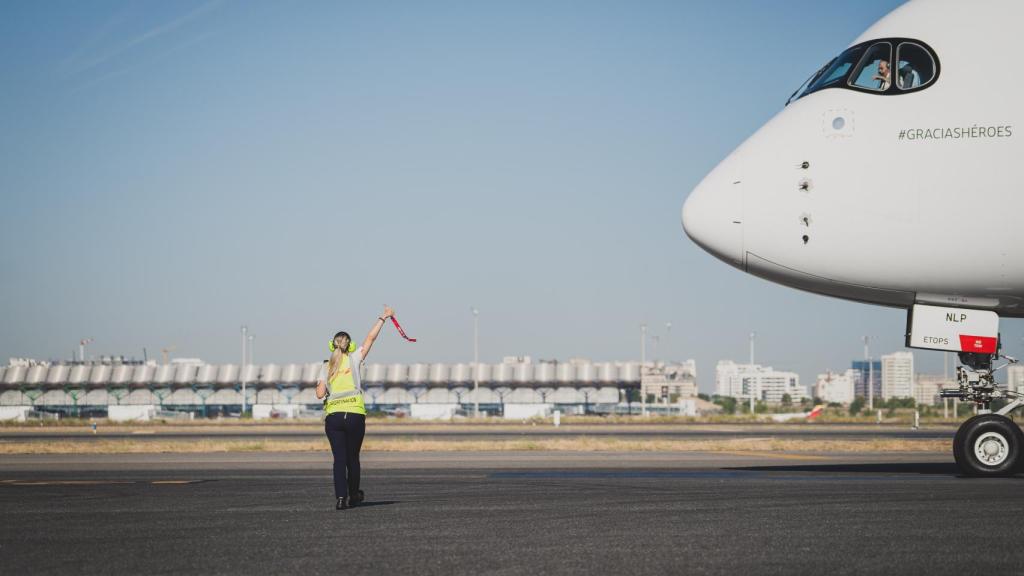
[810,81]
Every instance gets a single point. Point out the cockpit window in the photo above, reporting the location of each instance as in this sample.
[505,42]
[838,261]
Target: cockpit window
[808,83]
[874,71]
[838,70]
[871,67]
[915,66]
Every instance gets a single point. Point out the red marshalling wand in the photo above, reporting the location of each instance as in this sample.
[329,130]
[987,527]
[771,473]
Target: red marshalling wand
[400,331]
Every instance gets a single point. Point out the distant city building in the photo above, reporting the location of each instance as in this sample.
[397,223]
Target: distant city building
[898,375]
[764,382]
[928,386]
[1015,378]
[834,387]
[665,381]
[727,379]
[863,373]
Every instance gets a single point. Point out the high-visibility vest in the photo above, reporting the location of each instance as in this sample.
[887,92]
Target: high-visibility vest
[343,396]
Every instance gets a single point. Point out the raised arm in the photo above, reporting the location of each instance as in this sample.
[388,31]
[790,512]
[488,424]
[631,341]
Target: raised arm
[372,336]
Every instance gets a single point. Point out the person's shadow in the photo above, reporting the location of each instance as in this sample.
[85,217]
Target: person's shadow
[372,503]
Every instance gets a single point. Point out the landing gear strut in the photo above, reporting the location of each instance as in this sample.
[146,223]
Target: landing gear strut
[989,444]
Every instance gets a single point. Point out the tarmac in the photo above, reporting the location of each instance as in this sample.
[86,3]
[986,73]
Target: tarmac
[507,513]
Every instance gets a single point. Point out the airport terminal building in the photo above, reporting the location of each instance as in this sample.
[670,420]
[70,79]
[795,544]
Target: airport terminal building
[189,385]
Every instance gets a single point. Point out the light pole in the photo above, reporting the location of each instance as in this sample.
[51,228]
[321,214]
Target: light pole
[871,375]
[643,368]
[752,336]
[252,355]
[81,348]
[476,361]
[245,340]
[668,342]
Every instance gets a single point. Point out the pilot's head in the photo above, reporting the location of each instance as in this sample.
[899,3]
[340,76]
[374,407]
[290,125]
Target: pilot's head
[883,67]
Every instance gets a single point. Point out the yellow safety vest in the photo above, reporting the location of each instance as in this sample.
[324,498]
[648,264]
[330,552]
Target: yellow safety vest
[343,396]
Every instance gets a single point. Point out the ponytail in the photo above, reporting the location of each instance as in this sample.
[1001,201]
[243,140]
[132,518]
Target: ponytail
[336,352]
[332,366]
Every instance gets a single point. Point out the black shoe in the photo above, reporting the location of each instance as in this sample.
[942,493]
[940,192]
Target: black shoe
[357,498]
[342,503]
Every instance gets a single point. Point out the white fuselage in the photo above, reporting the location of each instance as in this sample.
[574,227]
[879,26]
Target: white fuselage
[889,198]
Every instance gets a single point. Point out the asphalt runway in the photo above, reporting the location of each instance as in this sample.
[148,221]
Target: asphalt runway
[315,432]
[507,513]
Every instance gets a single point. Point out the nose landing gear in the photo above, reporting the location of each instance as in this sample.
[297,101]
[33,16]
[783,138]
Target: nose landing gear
[989,444]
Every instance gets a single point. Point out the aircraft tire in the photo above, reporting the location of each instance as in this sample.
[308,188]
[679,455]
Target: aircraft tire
[958,455]
[988,445]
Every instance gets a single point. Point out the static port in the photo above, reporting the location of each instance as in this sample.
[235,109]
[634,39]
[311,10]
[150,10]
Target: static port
[805,238]
[805,165]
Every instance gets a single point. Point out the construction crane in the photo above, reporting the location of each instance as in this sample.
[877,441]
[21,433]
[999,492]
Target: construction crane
[166,352]
[81,348]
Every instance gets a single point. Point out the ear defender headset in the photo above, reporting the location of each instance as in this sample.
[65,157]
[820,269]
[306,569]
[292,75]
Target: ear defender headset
[332,346]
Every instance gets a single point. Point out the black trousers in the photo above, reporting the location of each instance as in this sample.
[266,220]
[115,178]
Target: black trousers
[345,431]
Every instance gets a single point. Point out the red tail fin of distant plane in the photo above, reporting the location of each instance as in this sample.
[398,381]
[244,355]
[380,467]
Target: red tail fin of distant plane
[816,412]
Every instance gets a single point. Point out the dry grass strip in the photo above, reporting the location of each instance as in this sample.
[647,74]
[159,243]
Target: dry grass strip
[578,444]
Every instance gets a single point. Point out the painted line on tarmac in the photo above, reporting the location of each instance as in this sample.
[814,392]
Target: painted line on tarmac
[605,474]
[751,475]
[91,482]
[66,482]
[779,455]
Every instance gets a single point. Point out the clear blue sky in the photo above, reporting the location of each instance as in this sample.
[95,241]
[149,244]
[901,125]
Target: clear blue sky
[172,170]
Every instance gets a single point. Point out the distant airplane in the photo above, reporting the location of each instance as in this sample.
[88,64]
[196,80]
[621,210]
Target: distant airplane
[893,176]
[809,416]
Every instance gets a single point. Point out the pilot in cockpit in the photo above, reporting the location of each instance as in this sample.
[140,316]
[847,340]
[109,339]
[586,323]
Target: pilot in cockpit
[907,77]
[883,75]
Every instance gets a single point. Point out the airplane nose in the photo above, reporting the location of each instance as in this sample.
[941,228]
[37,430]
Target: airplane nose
[713,218]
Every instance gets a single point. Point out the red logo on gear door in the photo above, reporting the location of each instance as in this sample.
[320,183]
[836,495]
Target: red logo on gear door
[979,344]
